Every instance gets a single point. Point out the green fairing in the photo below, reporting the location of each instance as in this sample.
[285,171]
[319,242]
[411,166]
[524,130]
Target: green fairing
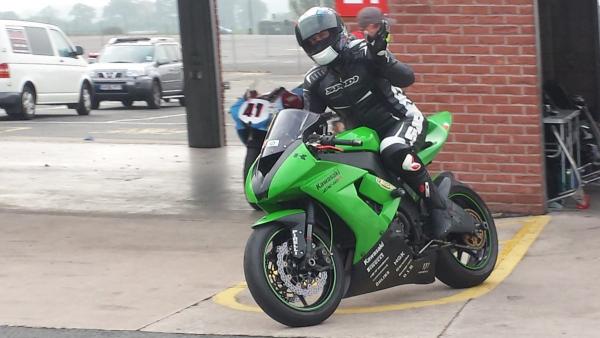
[250,196]
[368,136]
[290,176]
[277,215]
[371,186]
[437,133]
[340,195]
[334,185]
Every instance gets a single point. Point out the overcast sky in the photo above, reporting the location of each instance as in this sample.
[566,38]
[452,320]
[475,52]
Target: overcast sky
[30,7]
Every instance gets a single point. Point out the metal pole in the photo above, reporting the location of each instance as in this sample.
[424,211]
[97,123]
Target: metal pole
[250,17]
[203,88]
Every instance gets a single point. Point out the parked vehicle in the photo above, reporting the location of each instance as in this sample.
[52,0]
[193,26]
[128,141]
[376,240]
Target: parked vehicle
[92,57]
[224,30]
[40,65]
[133,69]
[338,224]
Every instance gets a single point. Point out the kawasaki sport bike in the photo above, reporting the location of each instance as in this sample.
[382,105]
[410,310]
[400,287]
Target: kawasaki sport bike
[339,224]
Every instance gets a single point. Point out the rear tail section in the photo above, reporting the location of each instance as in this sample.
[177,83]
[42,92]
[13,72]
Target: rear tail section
[438,128]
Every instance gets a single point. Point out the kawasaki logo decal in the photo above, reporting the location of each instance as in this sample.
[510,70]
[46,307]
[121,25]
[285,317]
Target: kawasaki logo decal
[329,181]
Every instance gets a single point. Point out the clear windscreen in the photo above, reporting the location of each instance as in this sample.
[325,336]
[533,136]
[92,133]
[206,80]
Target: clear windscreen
[287,127]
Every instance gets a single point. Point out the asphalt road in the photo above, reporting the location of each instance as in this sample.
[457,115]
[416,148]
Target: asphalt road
[117,124]
[261,62]
[110,123]
[25,332]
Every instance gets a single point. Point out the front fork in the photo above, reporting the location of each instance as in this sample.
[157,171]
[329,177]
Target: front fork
[302,234]
[302,239]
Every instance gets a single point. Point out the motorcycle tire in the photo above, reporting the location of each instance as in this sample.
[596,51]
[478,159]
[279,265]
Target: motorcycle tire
[268,288]
[452,267]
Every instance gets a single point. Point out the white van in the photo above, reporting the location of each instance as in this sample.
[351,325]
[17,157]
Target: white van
[39,65]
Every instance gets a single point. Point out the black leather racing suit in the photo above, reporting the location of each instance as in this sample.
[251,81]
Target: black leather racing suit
[361,88]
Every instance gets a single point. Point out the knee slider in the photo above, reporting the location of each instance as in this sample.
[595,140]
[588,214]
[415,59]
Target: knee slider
[395,155]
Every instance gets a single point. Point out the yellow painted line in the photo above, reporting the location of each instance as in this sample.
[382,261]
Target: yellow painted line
[512,253]
[227,298]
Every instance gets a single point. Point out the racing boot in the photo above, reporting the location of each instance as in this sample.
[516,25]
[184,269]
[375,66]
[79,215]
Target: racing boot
[435,200]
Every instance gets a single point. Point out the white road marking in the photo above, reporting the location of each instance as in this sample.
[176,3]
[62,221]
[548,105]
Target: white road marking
[10,130]
[41,108]
[146,118]
[142,131]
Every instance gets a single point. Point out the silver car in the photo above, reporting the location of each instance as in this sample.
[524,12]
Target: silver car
[133,69]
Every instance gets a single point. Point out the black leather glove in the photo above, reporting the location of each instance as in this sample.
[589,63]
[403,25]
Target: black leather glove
[378,43]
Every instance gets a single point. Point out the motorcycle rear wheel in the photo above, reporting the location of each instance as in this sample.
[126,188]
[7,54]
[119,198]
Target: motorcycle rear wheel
[267,255]
[462,268]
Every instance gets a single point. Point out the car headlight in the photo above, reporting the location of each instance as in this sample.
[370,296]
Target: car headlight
[134,73]
[92,74]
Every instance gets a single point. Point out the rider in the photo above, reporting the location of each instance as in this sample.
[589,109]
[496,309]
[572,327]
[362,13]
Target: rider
[358,79]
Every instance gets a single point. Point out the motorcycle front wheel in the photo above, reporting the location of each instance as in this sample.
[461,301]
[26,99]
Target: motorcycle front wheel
[461,267]
[292,291]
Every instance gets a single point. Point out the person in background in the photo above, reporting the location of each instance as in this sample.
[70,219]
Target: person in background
[370,20]
[372,23]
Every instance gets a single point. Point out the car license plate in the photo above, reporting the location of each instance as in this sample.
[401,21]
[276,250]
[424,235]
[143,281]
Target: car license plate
[111,87]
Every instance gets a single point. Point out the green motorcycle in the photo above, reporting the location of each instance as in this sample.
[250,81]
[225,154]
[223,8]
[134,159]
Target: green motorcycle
[339,224]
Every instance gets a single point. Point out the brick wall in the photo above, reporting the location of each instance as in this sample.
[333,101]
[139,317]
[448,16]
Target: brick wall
[477,59]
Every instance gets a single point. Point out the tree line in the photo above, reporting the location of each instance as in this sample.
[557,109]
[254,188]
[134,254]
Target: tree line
[116,17]
[244,16]
[156,16]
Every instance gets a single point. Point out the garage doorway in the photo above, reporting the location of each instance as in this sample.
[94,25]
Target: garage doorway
[570,60]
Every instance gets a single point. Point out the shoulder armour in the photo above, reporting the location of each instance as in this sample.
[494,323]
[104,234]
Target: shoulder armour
[313,76]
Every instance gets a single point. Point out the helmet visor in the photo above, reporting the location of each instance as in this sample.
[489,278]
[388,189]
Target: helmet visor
[316,20]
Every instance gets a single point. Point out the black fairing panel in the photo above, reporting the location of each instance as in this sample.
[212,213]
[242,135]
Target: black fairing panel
[266,167]
[390,263]
[368,161]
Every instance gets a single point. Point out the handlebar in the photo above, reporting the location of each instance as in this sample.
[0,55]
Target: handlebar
[341,142]
[329,140]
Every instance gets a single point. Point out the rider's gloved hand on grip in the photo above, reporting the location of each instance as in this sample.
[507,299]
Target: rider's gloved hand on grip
[378,43]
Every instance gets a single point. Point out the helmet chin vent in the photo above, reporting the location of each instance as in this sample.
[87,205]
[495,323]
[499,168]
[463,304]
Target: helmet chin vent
[326,56]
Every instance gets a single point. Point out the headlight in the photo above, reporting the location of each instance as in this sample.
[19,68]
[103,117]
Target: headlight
[134,73]
[92,74]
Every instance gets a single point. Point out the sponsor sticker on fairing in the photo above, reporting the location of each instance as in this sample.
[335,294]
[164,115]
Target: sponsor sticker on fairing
[272,143]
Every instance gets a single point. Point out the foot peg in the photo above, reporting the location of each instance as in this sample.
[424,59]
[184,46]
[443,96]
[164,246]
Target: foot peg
[399,192]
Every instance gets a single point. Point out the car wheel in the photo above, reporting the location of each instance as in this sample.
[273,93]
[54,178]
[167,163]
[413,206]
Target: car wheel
[127,103]
[155,96]
[85,101]
[182,101]
[95,103]
[25,108]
